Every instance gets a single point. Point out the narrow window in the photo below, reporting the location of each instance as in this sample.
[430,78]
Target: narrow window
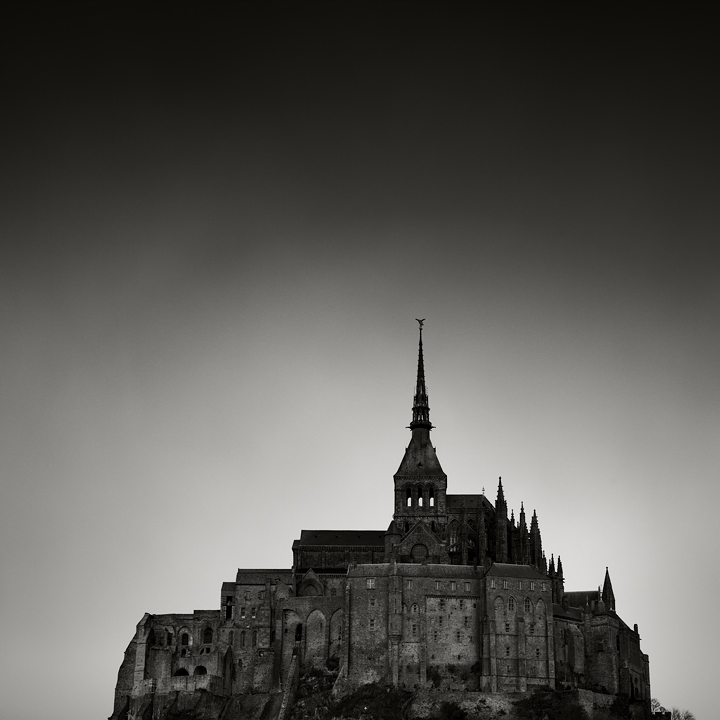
[184,639]
[432,526]
[466,620]
[511,604]
[408,496]
[442,603]
[458,636]
[242,612]
[407,526]
[169,638]
[420,497]
[437,584]
[519,584]
[414,608]
[370,583]
[254,612]
[408,584]
[532,585]
[207,636]
[242,639]
[543,587]
[228,612]
[440,622]
[505,584]
[414,628]
[372,623]
[435,636]
[492,584]
[372,601]
[507,651]
[431,499]
[537,653]
[467,586]
[528,605]
[254,638]
[507,627]
[453,585]
[333,591]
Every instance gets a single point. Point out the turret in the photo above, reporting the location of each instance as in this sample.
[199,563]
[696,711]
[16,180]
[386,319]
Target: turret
[536,553]
[608,595]
[501,544]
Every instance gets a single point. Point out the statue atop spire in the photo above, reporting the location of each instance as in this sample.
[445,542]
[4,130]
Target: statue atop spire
[421,409]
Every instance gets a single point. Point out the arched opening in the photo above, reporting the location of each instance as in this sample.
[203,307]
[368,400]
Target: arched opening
[431,497]
[511,604]
[421,499]
[408,498]
[207,636]
[298,632]
[243,638]
[184,639]
[180,672]
[200,670]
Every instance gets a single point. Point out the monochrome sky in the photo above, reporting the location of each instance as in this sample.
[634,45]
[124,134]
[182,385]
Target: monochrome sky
[218,225]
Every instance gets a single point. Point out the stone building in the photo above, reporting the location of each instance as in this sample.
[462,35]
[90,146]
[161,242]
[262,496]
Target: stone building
[454,595]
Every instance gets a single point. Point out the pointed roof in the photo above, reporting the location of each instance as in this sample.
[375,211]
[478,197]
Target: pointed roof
[608,595]
[421,409]
[420,458]
[500,495]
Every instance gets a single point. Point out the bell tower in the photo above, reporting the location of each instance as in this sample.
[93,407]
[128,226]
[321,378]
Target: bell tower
[420,483]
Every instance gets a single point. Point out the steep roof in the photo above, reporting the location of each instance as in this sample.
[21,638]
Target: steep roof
[420,457]
[472,502]
[356,538]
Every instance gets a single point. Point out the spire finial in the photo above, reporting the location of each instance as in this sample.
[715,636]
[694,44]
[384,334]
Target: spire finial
[421,410]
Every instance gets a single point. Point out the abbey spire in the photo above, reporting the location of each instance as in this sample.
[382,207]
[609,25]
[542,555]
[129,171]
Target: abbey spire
[421,409]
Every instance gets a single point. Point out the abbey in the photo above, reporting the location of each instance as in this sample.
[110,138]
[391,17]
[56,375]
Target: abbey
[454,595]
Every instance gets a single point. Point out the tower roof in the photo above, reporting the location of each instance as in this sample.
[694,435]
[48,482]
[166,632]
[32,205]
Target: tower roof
[421,409]
[420,457]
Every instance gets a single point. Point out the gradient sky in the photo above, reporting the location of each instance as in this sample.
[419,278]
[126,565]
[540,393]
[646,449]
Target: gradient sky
[217,226]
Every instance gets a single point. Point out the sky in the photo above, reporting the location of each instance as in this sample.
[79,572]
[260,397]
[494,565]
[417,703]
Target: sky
[218,225]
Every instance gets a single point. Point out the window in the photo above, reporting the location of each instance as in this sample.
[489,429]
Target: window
[532,585]
[370,583]
[254,612]
[507,651]
[458,636]
[431,498]
[408,496]
[184,639]
[408,584]
[435,636]
[442,603]
[511,604]
[372,601]
[372,623]
[414,608]
[333,591]
[466,619]
[505,584]
[228,612]
[242,638]
[519,584]
[254,638]
[467,586]
[453,585]
[420,498]
[532,628]
[242,612]
[169,638]
[507,627]
[440,622]
[414,628]
[207,636]
[537,653]
[543,587]
[528,605]
[437,584]
[492,584]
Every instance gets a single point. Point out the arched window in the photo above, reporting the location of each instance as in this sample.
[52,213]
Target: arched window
[528,605]
[184,639]
[207,636]
[511,604]
[431,497]
[408,497]
[254,638]
[242,638]
[180,672]
[537,653]
[414,608]
[200,670]
[421,499]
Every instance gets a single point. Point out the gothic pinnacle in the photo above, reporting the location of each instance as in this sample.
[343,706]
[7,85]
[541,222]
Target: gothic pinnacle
[421,409]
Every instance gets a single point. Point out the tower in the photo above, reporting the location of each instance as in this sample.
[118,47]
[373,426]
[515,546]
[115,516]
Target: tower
[420,483]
